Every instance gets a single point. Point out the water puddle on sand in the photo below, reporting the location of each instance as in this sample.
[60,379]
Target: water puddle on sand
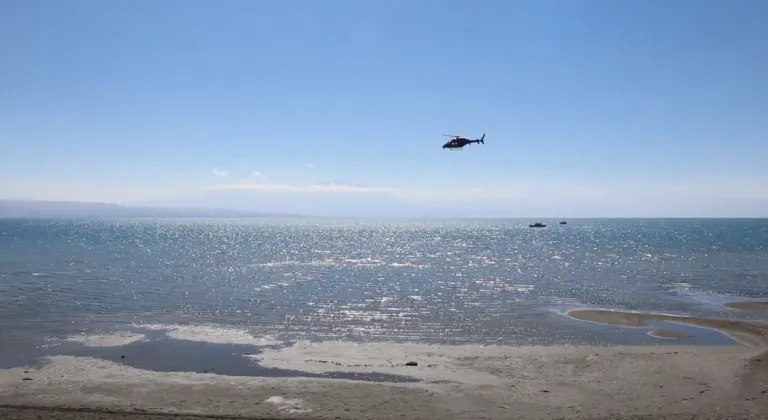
[153,349]
[653,332]
[684,334]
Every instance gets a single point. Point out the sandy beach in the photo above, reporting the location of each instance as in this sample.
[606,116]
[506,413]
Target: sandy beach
[457,382]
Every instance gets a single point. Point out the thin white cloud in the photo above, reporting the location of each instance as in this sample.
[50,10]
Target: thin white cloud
[332,187]
[257,174]
[554,192]
[310,165]
[219,172]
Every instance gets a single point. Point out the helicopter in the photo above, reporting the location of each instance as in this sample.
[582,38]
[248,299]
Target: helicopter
[457,142]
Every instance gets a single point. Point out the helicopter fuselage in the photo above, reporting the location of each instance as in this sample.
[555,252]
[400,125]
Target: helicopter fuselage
[459,143]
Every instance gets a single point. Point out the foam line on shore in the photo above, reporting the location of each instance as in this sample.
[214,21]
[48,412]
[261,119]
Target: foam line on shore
[668,334]
[211,334]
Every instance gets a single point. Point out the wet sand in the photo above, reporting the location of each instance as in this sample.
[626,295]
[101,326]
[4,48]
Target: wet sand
[456,382]
[748,305]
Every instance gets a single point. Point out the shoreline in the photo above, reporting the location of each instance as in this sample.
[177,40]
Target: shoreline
[454,381]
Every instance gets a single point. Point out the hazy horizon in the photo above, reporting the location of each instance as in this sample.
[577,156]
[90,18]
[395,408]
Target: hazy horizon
[75,209]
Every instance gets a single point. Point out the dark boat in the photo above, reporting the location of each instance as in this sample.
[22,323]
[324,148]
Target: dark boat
[563,222]
[537,225]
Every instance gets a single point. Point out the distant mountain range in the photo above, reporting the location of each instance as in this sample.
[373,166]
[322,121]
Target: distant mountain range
[74,209]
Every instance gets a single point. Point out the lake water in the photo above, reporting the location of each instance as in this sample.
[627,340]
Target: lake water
[450,281]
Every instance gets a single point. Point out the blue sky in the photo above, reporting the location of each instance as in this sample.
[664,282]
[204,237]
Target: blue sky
[591,108]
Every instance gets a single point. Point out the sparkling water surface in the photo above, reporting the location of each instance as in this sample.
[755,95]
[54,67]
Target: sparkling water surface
[451,281]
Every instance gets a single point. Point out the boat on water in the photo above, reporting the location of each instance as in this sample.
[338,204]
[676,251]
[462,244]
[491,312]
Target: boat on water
[537,225]
[563,222]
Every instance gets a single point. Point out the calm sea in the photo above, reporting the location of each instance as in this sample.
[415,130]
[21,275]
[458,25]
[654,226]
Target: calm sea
[477,281]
